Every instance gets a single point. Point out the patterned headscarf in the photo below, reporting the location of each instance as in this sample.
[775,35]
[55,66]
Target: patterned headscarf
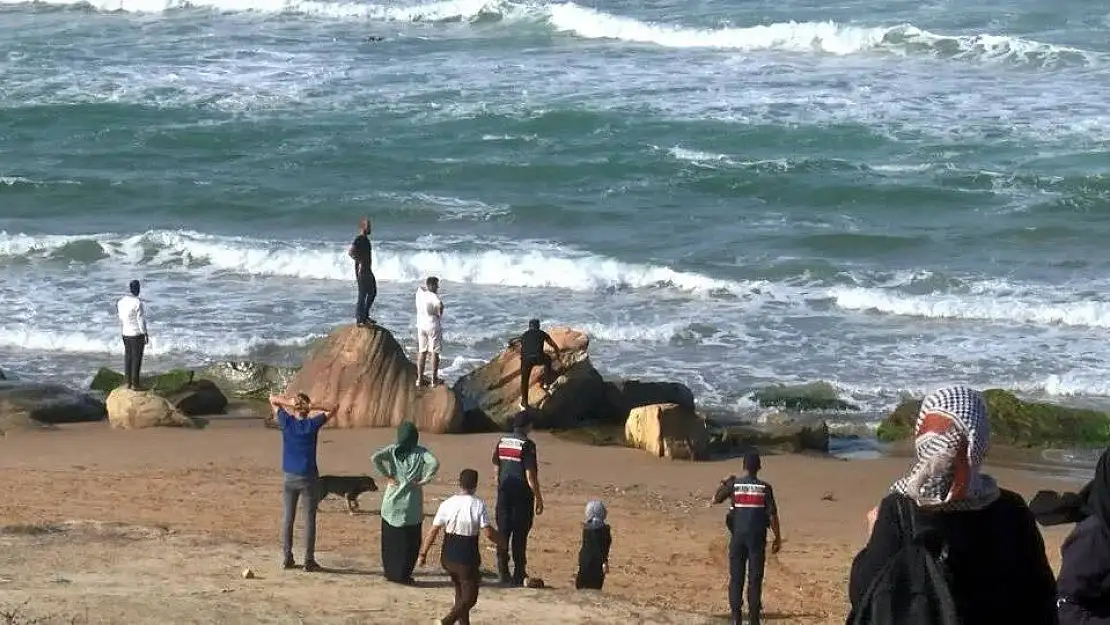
[950,438]
[595,514]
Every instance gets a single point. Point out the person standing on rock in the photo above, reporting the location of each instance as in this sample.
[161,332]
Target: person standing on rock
[752,511]
[429,329]
[361,253]
[519,499]
[532,354]
[132,319]
[407,467]
[299,434]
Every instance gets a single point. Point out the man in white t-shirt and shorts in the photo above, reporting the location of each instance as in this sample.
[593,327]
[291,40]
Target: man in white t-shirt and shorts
[429,329]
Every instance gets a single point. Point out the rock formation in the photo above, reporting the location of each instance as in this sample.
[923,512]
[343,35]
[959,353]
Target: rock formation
[365,372]
[30,405]
[128,410]
[668,431]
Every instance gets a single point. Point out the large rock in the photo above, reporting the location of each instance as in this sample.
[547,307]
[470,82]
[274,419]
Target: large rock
[249,380]
[129,410]
[365,372]
[668,431]
[30,405]
[492,391]
[1018,423]
[621,396]
[191,395]
[820,396]
[779,432]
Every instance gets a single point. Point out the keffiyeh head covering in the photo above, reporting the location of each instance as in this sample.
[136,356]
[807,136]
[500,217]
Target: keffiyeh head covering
[951,438]
[595,514]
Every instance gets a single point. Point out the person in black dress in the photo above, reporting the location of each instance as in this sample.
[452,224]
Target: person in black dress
[593,557]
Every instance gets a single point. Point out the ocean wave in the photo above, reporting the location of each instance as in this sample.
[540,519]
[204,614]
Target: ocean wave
[516,266]
[1039,309]
[36,339]
[589,23]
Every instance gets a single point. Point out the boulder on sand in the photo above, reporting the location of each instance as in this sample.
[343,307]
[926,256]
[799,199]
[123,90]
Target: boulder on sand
[129,410]
[668,431]
[621,396]
[779,431]
[492,392]
[191,396]
[31,405]
[366,374]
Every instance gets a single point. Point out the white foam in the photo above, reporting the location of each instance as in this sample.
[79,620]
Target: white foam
[984,306]
[518,266]
[160,344]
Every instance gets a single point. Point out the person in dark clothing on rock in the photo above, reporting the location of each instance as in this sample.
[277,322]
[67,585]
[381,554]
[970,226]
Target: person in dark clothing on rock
[752,511]
[361,253]
[532,354]
[593,556]
[1083,586]
[992,550]
[519,499]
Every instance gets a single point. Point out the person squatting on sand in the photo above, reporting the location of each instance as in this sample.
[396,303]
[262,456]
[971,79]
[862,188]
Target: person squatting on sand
[752,510]
[1084,582]
[593,556]
[299,435]
[361,253]
[429,329]
[985,537]
[532,354]
[461,518]
[519,498]
[407,467]
[132,319]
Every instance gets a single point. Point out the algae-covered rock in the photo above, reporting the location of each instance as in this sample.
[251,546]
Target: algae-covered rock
[1018,423]
[250,380]
[167,383]
[802,397]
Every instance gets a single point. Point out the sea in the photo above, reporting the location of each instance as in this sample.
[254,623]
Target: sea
[886,196]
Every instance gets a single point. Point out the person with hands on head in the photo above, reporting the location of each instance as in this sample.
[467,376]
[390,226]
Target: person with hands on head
[407,467]
[519,499]
[299,434]
[752,510]
[461,518]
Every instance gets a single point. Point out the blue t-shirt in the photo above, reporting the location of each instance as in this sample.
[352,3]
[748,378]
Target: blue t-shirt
[298,443]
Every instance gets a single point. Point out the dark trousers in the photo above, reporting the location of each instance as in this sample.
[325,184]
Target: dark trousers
[467,579]
[750,551]
[400,551]
[367,292]
[133,347]
[526,366]
[306,490]
[515,512]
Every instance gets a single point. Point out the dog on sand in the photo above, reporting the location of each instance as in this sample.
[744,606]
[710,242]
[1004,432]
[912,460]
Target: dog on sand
[349,487]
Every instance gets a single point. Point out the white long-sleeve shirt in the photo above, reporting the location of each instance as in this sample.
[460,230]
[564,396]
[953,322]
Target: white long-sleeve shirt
[132,318]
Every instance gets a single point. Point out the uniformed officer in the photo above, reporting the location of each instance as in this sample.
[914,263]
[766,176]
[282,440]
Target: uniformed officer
[518,497]
[752,510]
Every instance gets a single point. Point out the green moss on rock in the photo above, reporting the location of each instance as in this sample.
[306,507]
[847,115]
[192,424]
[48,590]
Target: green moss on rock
[167,383]
[802,397]
[1018,423]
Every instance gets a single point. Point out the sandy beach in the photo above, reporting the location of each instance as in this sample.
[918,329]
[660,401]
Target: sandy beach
[157,525]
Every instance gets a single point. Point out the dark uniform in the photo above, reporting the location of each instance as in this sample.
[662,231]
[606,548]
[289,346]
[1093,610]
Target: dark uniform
[515,509]
[532,355]
[367,284]
[750,510]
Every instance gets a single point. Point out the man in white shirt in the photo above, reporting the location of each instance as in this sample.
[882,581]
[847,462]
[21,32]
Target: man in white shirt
[461,517]
[429,329]
[132,319]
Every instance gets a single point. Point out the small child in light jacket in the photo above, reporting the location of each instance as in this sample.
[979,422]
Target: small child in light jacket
[593,557]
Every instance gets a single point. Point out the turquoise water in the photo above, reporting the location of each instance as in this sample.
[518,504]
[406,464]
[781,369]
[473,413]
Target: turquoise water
[885,195]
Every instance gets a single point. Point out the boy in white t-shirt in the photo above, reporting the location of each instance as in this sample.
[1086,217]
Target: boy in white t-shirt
[429,329]
[461,518]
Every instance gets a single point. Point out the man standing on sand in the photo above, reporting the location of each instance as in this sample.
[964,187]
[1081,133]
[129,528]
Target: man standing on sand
[429,329]
[360,252]
[532,354]
[299,434]
[752,511]
[519,499]
[132,319]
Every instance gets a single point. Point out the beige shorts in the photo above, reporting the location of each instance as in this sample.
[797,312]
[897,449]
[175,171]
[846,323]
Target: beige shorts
[429,340]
